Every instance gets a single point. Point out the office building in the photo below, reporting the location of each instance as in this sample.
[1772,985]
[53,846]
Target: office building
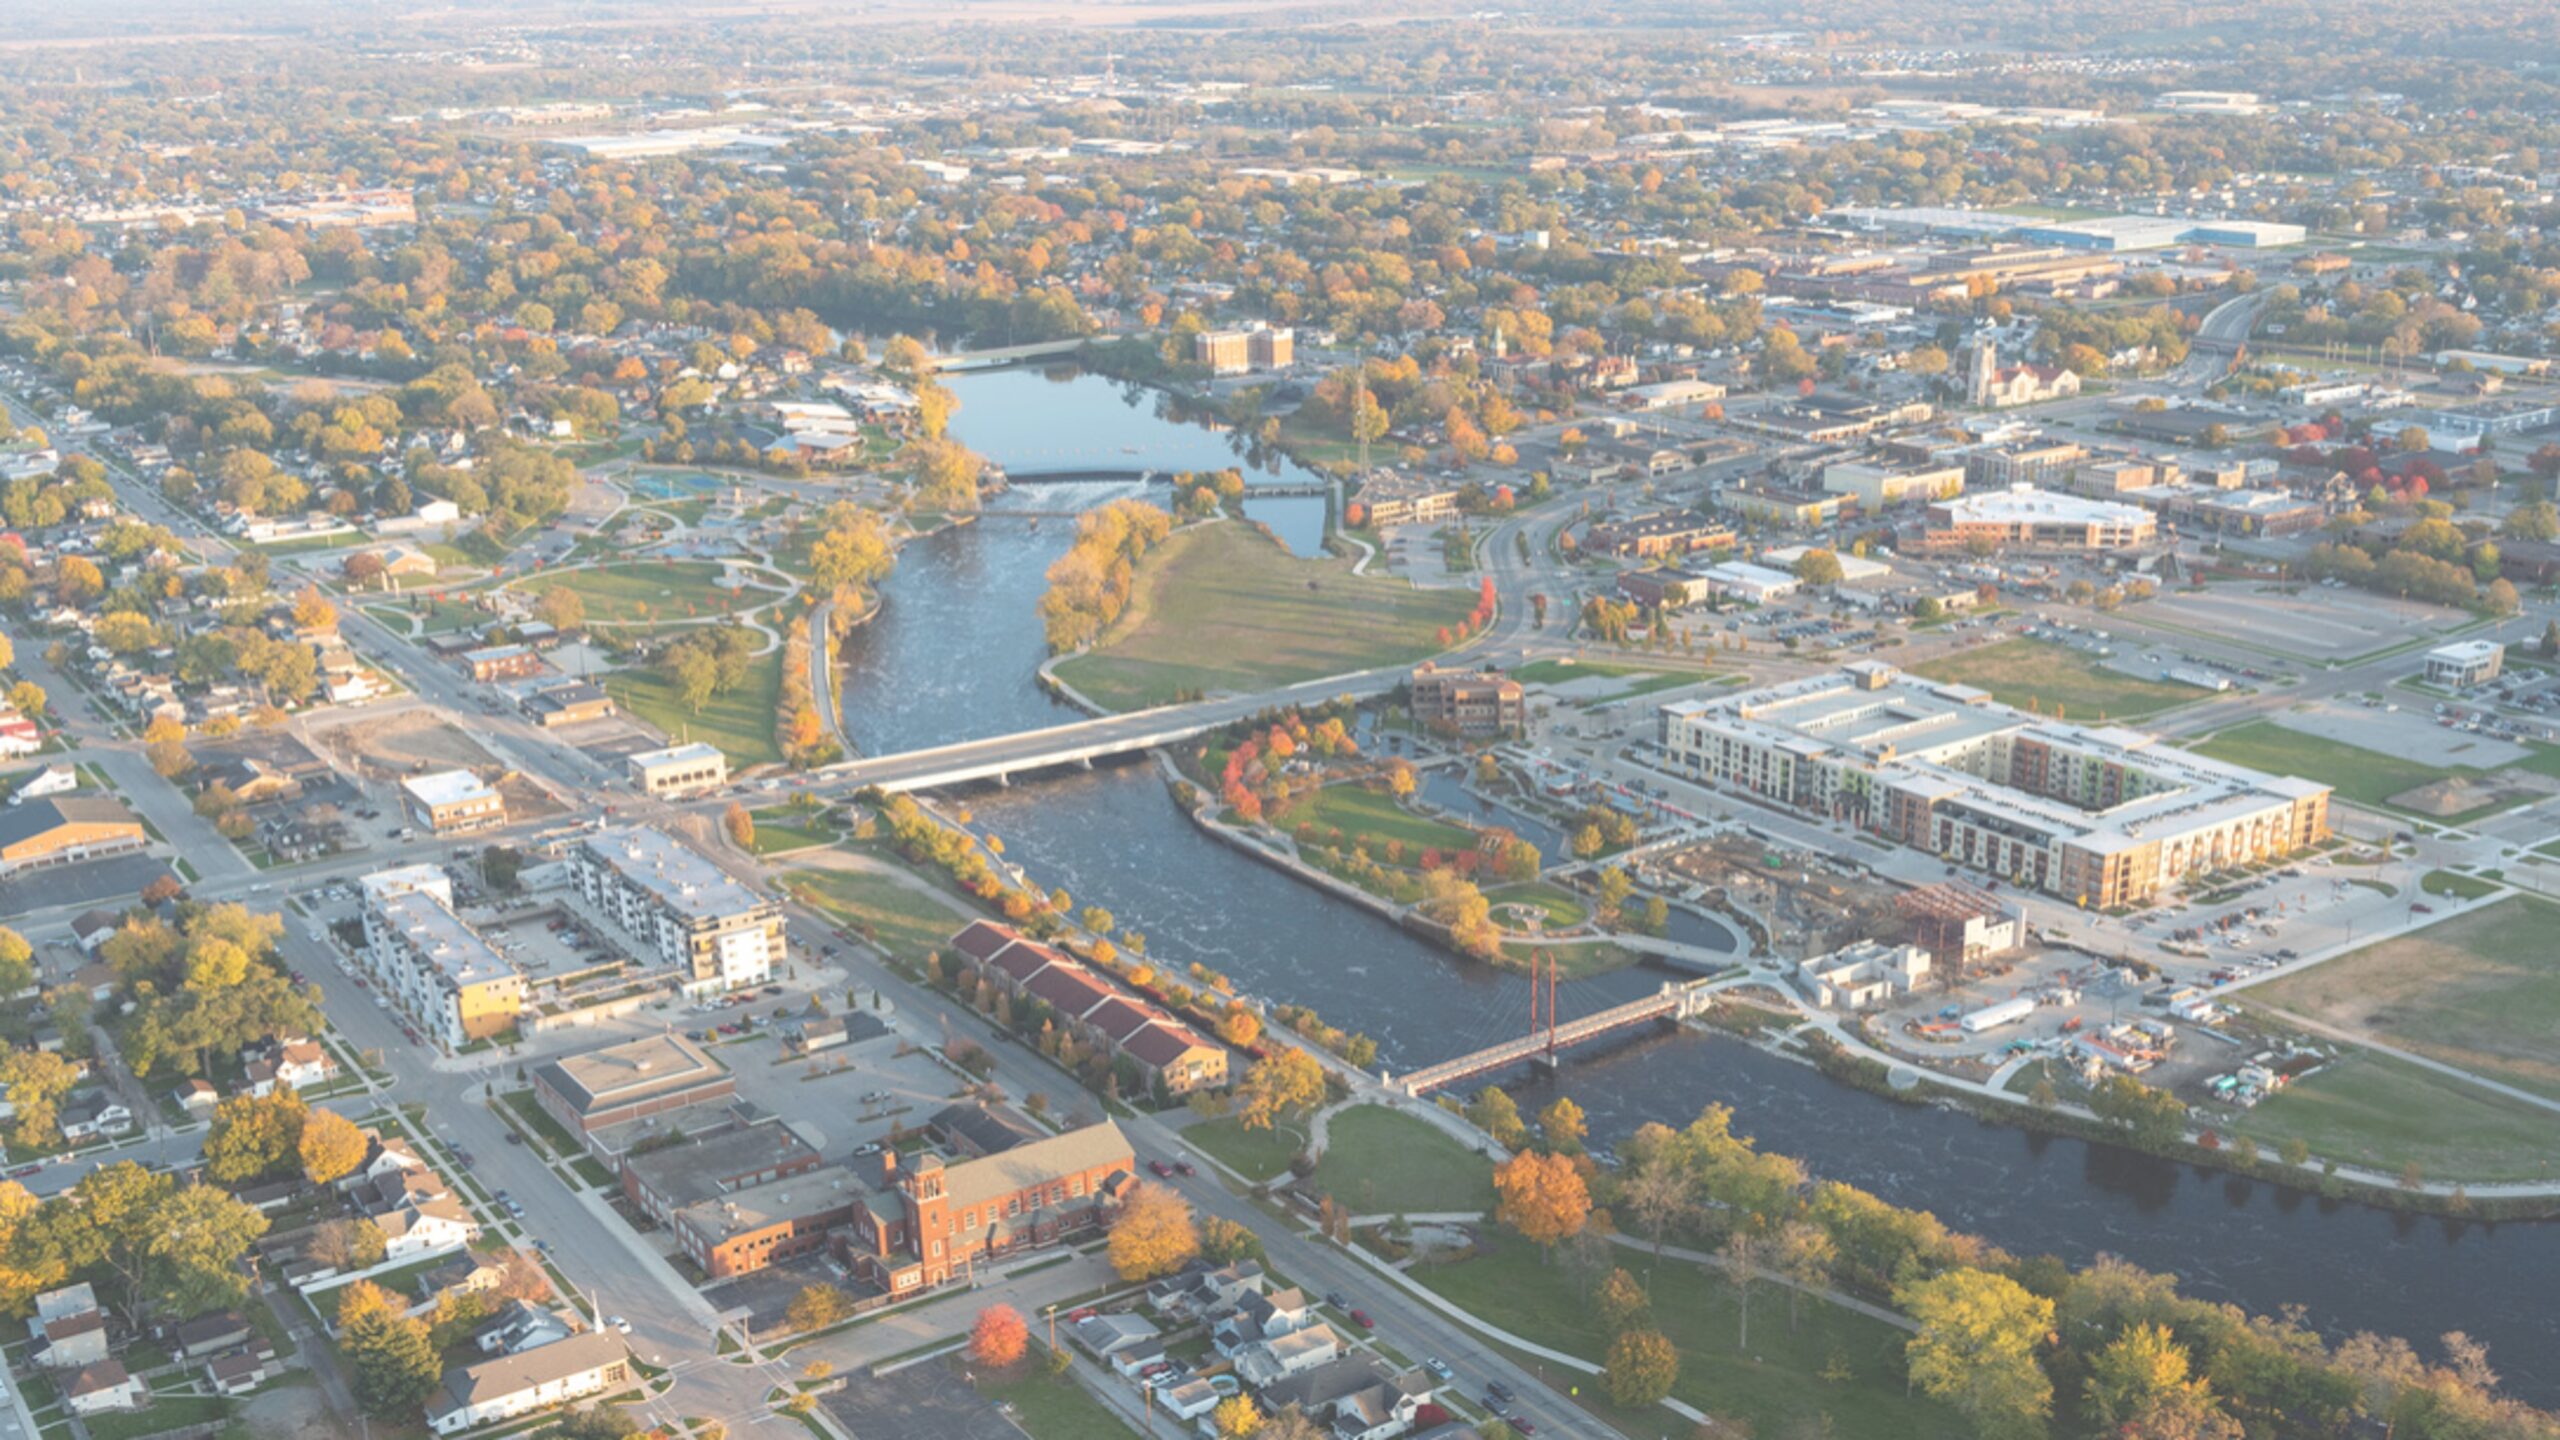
[2465,663]
[1646,537]
[1271,349]
[676,905]
[1225,352]
[1875,486]
[1476,704]
[2103,815]
[636,1080]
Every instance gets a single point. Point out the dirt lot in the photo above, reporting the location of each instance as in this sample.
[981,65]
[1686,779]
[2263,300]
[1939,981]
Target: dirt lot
[1816,906]
[2463,794]
[394,747]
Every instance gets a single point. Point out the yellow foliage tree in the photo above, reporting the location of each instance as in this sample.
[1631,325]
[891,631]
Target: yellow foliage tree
[1154,1234]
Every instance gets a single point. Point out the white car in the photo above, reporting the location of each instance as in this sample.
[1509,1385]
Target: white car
[616,1322]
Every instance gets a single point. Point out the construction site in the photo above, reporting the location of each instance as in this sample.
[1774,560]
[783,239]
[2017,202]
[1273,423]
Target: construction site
[1796,903]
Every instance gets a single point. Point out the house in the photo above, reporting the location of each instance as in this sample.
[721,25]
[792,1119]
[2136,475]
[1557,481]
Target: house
[1259,1317]
[51,780]
[92,930]
[288,1064]
[423,1225]
[1268,1362]
[239,1371]
[93,1114]
[212,1334]
[196,1097]
[464,1274]
[102,1387]
[1317,1390]
[513,1385]
[518,1327]
[68,1328]
[1119,1336]
[1203,1290]
[1189,1400]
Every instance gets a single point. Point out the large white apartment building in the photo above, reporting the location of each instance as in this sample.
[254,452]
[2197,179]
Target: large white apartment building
[675,904]
[435,969]
[2101,815]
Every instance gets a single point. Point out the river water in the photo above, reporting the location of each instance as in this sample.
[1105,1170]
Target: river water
[952,657]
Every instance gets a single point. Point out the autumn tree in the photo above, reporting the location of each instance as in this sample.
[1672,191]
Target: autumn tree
[999,1337]
[2139,1385]
[1236,1417]
[740,825]
[1562,1125]
[17,962]
[1495,1113]
[332,1147]
[312,610]
[1542,1197]
[389,1357]
[29,1265]
[561,608]
[1153,1234]
[1643,1367]
[1976,1349]
[254,1136]
[166,742]
[36,1082]
[192,1258]
[817,1306]
[1620,1302]
[1287,1082]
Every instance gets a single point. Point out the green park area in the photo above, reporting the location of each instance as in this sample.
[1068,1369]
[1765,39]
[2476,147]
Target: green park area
[2367,777]
[740,722]
[906,922]
[2057,680]
[1832,1372]
[1379,1162]
[1558,908]
[2383,1113]
[1371,815]
[646,592]
[1052,1407]
[781,829]
[1255,1154]
[1639,679]
[2479,991]
[1226,608]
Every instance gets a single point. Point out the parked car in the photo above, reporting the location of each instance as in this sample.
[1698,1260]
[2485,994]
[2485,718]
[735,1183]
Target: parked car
[1184,1166]
[1161,1169]
[1439,1368]
[1361,1319]
[616,1322]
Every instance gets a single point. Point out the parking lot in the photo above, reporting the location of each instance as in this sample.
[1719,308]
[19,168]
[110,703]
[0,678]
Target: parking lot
[921,1402]
[2316,624]
[117,878]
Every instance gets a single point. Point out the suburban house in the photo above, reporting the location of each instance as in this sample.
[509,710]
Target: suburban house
[93,1114]
[295,1064]
[512,1385]
[241,1370]
[102,1387]
[68,1328]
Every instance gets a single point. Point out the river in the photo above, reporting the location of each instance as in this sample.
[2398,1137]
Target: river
[952,656]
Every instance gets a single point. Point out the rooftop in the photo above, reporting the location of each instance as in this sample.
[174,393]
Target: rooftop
[447,787]
[692,754]
[750,1208]
[629,1072]
[2025,504]
[439,935]
[680,876]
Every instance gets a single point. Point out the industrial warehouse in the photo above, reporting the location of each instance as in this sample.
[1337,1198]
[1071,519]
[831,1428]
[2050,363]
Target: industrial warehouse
[2105,816]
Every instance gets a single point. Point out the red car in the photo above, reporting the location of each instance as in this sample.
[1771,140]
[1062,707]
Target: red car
[1087,1313]
[1185,1167]
[1361,1319]
[1161,1169]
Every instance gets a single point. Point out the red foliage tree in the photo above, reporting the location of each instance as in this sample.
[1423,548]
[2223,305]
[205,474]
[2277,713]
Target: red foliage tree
[999,1337]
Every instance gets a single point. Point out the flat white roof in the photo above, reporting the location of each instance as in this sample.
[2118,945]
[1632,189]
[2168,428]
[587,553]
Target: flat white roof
[446,787]
[676,755]
[2465,652]
[2027,503]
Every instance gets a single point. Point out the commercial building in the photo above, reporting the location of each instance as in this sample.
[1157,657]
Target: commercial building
[1644,537]
[675,904]
[2244,234]
[1389,498]
[65,829]
[1785,506]
[1670,394]
[1855,569]
[1664,589]
[1757,584]
[1876,486]
[1994,386]
[680,769]
[566,702]
[592,1363]
[433,968]
[2243,512]
[1866,974]
[453,802]
[637,1079]
[2104,816]
[1271,349]
[2031,463]
[1225,352]
[503,662]
[1474,703]
[2113,234]
[2465,663]
[2024,516]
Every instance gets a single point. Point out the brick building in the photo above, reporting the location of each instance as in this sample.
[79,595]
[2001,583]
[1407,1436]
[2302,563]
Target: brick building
[1473,703]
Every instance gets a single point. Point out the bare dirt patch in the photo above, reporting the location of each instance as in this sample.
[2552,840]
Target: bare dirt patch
[394,747]
[290,1412]
[2462,794]
[1816,903]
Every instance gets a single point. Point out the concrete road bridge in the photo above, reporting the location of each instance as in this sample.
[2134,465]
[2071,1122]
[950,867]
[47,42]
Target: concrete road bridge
[1674,1002]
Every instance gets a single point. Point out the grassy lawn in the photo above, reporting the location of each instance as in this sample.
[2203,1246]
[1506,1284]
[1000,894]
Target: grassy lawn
[1222,607]
[1374,815]
[740,722]
[2384,1113]
[2366,777]
[2480,991]
[1056,1408]
[1562,672]
[1563,908]
[553,1133]
[1378,1161]
[781,828]
[2464,887]
[401,1280]
[905,922]
[1256,1154]
[642,592]
[2058,680]
[1777,1385]
[166,1412]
